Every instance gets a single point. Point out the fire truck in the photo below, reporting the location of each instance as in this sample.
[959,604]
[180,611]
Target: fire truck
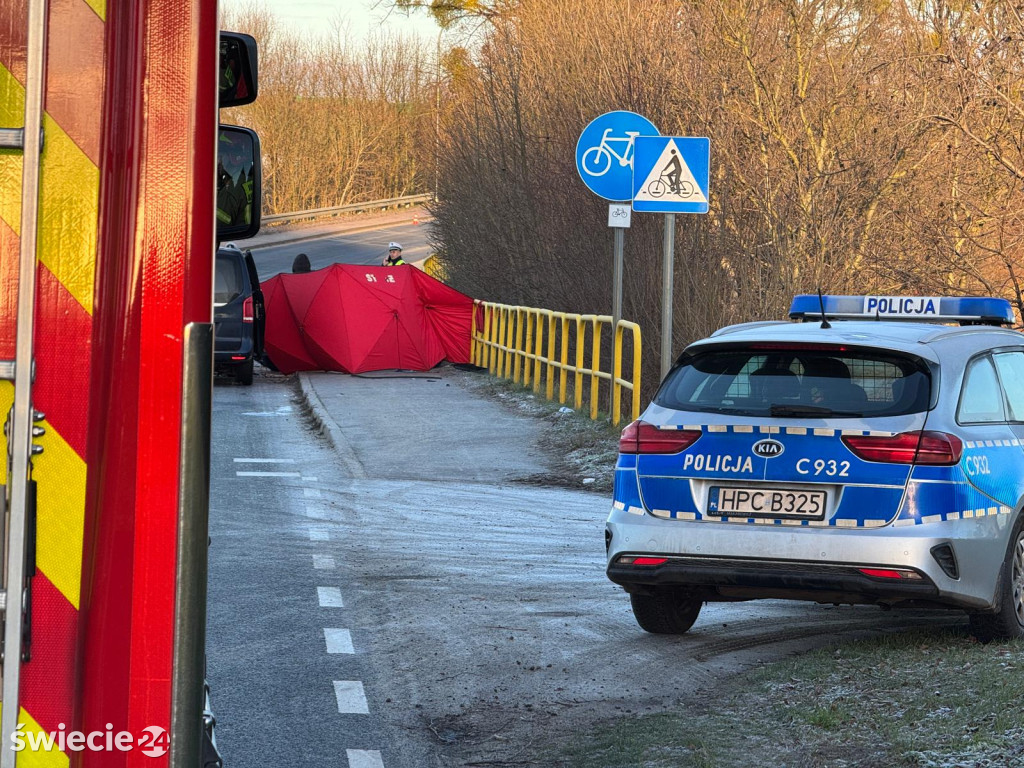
[108,208]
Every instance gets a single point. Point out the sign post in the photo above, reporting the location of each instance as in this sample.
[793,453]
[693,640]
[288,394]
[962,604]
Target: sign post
[619,215]
[670,176]
[604,160]
[668,267]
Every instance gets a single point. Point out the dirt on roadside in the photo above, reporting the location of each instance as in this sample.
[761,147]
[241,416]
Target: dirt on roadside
[583,452]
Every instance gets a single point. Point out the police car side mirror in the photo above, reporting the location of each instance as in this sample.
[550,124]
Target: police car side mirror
[238,70]
[238,183]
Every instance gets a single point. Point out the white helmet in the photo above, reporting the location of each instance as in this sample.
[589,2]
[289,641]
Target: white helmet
[394,246]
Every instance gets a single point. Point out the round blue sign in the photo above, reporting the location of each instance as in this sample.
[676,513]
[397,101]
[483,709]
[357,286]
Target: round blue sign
[604,153]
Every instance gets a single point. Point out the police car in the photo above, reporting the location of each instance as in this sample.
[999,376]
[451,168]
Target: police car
[869,453]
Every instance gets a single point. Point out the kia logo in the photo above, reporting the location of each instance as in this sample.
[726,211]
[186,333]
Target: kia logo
[768,449]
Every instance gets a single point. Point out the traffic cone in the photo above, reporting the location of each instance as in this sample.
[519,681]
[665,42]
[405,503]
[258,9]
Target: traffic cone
[415,218]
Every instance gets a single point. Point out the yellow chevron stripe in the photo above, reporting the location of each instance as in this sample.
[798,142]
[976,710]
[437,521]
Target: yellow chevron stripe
[12,113]
[69,198]
[60,475]
[69,211]
[99,7]
[40,759]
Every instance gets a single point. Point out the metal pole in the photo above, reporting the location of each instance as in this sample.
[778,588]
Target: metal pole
[620,239]
[667,279]
[187,672]
[21,425]
[437,119]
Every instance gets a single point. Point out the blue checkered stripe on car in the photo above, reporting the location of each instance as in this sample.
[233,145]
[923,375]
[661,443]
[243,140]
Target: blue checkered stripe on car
[747,429]
[834,523]
[967,514]
[992,443]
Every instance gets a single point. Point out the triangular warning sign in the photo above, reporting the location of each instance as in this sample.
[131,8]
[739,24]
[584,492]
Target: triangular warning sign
[671,180]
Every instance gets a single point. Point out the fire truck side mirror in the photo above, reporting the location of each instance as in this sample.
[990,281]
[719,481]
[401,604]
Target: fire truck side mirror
[238,183]
[238,70]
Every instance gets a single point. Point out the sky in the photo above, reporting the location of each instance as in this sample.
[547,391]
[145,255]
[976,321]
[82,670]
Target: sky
[315,16]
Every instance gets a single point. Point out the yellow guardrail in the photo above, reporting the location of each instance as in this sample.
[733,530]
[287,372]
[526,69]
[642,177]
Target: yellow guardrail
[519,343]
[433,267]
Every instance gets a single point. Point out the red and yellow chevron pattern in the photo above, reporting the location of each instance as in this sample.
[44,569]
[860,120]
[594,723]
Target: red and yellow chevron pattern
[66,278]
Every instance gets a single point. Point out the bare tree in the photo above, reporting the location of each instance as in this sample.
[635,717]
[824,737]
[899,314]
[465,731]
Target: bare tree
[980,51]
[340,119]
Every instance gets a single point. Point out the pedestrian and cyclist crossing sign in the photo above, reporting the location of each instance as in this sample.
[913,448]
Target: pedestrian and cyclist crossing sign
[670,174]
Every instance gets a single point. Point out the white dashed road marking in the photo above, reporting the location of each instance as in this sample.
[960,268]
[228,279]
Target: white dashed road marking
[349,693]
[338,641]
[311,479]
[268,474]
[364,758]
[351,698]
[330,597]
[264,461]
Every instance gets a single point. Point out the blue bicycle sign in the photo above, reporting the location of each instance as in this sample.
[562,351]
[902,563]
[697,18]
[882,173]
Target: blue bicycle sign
[597,160]
[604,153]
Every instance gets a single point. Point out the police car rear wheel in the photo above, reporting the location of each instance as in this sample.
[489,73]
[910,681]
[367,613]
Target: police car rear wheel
[665,613]
[1008,621]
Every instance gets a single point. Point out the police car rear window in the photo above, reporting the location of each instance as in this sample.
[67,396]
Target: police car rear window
[798,382]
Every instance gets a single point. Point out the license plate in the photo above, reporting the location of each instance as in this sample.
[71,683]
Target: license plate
[766,502]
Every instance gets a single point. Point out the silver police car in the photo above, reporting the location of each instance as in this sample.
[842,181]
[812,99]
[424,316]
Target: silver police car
[869,453]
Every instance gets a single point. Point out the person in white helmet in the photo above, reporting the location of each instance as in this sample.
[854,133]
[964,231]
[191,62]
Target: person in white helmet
[394,257]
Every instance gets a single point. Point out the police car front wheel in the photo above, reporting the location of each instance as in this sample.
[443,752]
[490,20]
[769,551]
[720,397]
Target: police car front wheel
[665,612]
[1008,620]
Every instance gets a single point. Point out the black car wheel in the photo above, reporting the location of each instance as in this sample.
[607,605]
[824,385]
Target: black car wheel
[1008,621]
[665,612]
[243,372]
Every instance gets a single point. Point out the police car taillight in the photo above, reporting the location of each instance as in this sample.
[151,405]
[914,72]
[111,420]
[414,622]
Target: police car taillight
[247,310]
[641,437]
[890,573]
[640,560]
[907,448]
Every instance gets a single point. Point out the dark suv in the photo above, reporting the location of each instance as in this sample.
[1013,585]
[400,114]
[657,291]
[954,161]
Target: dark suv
[238,314]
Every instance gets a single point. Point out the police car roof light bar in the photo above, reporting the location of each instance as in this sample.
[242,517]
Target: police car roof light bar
[966,310]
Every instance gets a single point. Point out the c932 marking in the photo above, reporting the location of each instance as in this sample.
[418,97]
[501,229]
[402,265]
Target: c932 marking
[827,467]
[976,465]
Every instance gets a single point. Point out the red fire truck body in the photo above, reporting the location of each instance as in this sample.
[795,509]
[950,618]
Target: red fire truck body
[122,270]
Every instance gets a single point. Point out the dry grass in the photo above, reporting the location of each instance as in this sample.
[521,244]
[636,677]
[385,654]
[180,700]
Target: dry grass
[922,699]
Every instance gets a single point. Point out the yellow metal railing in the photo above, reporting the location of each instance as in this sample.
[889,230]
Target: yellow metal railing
[434,268]
[526,344]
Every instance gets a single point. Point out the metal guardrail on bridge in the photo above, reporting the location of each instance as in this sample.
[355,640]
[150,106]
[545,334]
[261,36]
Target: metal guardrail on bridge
[372,205]
[520,343]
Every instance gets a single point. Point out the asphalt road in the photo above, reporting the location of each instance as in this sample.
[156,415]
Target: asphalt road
[368,247]
[406,600]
